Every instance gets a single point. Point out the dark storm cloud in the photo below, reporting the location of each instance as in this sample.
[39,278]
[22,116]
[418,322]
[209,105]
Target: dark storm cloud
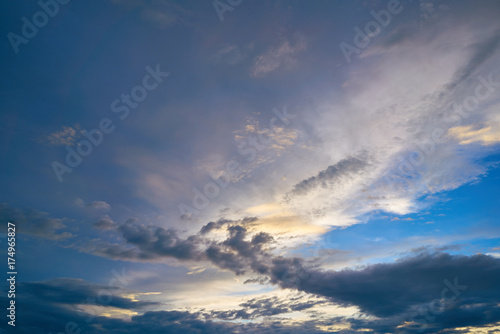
[382,290]
[394,292]
[148,243]
[266,307]
[226,260]
[43,317]
[464,313]
[52,307]
[240,252]
[408,290]
[222,222]
[33,222]
[77,291]
[215,225]
[158,241]
[45,307]
[390,289]
[345,168]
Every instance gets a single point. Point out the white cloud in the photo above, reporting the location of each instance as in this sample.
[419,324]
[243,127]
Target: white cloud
[396,109]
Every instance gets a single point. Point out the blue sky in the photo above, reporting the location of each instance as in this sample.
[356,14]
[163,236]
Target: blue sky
[252,166]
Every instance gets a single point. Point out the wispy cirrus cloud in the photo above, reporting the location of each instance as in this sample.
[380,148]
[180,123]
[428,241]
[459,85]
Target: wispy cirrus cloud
[67,136]
[283,55]
[232,54]
[35,223]
[96,205]
[161,14]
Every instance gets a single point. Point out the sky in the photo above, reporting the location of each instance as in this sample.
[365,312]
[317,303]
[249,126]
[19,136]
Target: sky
[237,166]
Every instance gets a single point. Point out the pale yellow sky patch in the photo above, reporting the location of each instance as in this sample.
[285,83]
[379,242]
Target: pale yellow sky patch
[213,292]
[133,296]
[277,219]
[107,311]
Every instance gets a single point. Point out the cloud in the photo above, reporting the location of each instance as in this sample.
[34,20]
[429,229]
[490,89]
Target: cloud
[481,52]
[105,223]
[386,290]
[259,147]
[269,306]
[161,14]
[58,304]
[468,134]
[232,54]
[327,197]
[393,114]
[97,205]
[79,203]
[67,136]
[152,242]
[392,292]
[34,223]
[239,252]
[222,222]
[331,176]
[276,57]
[51,305]
[72,291]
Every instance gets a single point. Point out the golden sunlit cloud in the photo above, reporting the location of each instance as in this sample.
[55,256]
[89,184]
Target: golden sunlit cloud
[468,134]
[493,329]
[196,270]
